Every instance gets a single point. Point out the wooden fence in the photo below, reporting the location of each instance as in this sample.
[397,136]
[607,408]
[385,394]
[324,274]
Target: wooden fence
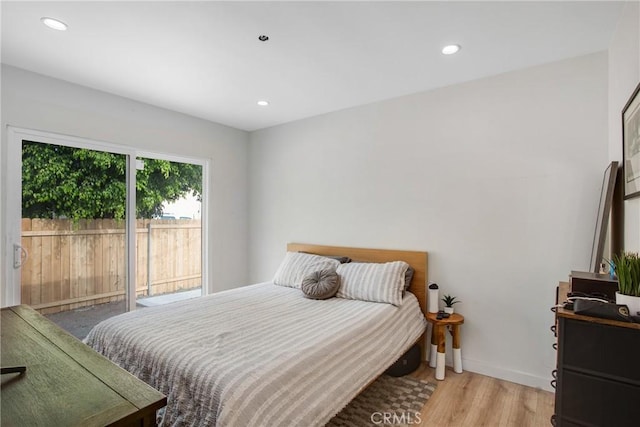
[72,265]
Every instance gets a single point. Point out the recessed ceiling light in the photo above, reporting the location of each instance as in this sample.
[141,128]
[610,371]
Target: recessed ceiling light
[54,24]
[263,103]
[450,49]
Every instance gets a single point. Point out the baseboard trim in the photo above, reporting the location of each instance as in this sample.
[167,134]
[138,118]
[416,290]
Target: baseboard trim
[484,368]
[513,376]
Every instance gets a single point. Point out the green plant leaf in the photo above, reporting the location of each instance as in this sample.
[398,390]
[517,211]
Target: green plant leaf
[76,183]
[627,268]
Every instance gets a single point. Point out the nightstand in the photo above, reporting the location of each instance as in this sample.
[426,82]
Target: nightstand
[438,340]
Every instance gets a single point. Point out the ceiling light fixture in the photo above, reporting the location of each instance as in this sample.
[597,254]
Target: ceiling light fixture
[54,24]
[450,49]
[263,103]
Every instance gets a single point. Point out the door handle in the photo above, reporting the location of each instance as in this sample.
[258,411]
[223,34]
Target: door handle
[20,256]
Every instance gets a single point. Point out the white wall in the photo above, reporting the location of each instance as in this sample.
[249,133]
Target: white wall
[37,102]
[498,179]
[624,76]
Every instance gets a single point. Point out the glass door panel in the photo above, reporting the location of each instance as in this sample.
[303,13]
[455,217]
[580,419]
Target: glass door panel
[73,234]
[169,231]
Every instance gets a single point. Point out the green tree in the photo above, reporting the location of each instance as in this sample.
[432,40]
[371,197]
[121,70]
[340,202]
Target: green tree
[60,181]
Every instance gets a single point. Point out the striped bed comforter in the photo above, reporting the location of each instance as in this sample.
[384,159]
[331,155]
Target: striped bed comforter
[261,355]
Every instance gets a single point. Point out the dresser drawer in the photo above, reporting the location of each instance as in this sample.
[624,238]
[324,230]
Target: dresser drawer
[593,401]
[601,349]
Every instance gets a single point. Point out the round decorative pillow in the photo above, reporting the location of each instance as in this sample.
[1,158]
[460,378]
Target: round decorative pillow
[321,284]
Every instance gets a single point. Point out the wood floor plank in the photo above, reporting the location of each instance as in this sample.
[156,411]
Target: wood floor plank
[470,399]
[526,406]
[513,412]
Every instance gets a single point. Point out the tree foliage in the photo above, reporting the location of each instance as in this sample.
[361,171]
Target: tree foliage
[60,181]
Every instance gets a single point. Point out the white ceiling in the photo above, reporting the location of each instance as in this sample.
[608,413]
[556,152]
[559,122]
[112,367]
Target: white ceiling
[204,58]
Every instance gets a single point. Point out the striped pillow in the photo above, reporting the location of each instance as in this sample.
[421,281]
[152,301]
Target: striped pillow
[296,266]
[372,281]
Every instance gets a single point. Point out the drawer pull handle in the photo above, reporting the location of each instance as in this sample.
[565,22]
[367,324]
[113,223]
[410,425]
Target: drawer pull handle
[553,329]
[553,420]
[554,374]
[555,345]
[553,383]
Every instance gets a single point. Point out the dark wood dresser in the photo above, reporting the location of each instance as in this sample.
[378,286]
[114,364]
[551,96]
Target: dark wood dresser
[598,376]
[66,383]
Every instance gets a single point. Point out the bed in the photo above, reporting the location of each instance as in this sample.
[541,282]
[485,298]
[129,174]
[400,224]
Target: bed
[264,355]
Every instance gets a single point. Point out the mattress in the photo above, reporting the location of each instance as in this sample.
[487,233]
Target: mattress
[260,355]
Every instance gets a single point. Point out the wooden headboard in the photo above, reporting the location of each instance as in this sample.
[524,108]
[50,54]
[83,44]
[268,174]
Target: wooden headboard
[417,260]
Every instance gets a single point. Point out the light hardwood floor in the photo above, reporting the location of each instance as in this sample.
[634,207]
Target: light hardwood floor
[473,400]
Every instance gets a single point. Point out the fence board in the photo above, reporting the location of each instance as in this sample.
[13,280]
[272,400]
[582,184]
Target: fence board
[46,294]
[56,266]
[36,261]
[98,280]
[72,265]
[65,260]
[27,281]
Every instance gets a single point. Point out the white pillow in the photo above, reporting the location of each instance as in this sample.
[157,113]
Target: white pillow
[376,282]
[296,266]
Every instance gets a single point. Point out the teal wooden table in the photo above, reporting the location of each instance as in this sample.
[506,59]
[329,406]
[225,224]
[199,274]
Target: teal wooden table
[66,383]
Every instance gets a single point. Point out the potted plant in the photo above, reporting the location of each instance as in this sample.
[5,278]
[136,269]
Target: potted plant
[448,303]
[627,268]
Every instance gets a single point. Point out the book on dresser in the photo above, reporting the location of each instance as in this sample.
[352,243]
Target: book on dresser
[598,371]
[65,383]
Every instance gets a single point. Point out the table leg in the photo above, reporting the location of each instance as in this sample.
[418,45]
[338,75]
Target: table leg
[440,337]
[457,353]
[434,347]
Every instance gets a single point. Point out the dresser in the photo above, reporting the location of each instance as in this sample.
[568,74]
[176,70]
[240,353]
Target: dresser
[598,372]
[66,383]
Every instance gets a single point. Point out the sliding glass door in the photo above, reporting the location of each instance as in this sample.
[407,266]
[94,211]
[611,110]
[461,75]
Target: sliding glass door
[69,227]
[96,229]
